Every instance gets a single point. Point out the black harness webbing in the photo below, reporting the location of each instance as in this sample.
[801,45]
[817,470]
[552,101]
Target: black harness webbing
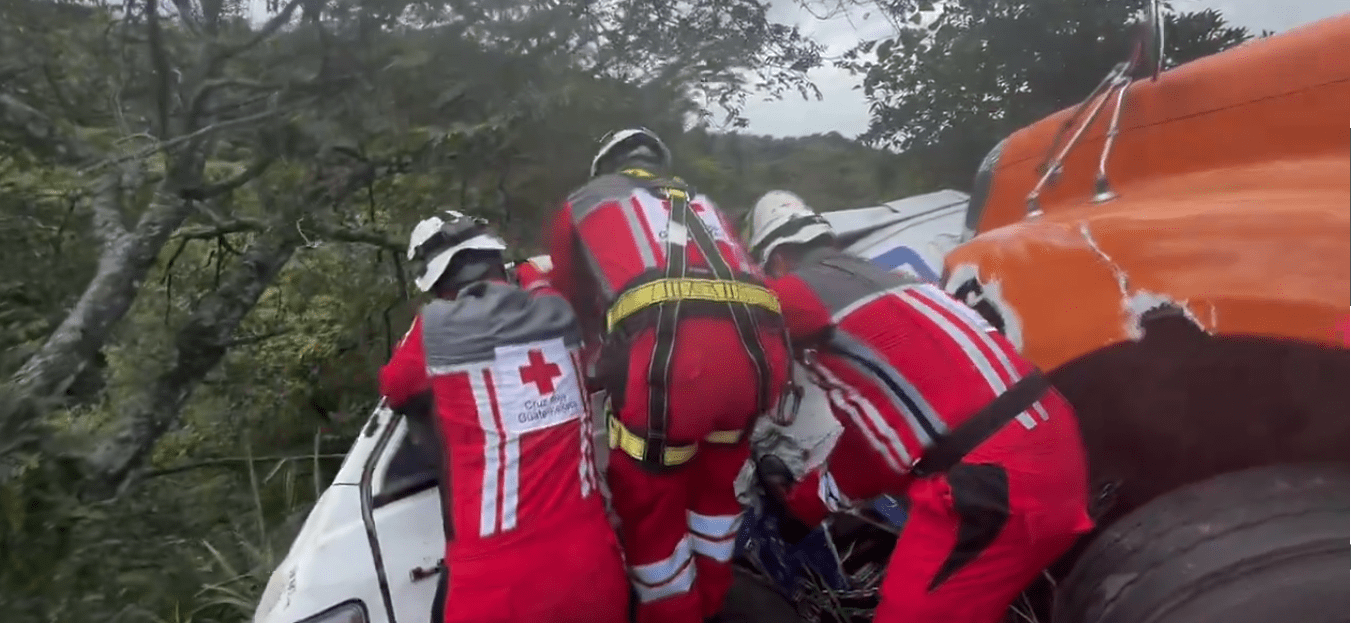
[949,450]
[684,222]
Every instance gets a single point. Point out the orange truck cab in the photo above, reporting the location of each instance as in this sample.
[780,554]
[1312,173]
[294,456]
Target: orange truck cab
[1182,273]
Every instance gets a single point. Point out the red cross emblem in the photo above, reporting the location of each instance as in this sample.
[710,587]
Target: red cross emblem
[540,372]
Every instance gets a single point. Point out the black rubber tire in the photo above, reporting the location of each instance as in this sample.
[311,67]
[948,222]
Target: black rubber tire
[1257,546]
[753,600]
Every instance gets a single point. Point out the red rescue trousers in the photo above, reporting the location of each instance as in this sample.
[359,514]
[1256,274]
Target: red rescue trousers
[977,535]
[572,574]
[678,527]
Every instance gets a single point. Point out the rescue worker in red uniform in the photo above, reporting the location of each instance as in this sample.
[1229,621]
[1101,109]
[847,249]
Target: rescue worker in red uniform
[692,351]
[938,408]
[527,536]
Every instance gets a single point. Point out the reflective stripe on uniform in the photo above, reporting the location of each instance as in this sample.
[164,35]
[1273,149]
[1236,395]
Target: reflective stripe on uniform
[982,332]
[923,420]
[844,283]
[866,418]
[586,467]
[964,337]
[671,290]
[673,205]
[840,314]
[714,536]
[611,191]
[511,460]
[492,455]
[670,576]
[640,232]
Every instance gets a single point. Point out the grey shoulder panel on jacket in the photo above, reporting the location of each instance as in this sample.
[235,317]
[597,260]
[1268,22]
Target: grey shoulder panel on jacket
[841,278]
[488,315]
[608,187]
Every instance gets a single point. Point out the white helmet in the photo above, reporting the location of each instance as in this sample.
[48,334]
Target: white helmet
[435,241]
[782,217]
[625,141]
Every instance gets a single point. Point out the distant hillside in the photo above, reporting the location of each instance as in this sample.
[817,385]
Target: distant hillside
[829,171]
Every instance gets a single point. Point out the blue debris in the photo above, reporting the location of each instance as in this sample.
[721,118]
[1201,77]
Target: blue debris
[761,544]
[891,509]
[904,256]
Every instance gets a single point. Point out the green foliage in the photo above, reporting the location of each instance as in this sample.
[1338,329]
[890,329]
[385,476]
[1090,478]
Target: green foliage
[271,172]
[947,90]
[829,171]
[43,250]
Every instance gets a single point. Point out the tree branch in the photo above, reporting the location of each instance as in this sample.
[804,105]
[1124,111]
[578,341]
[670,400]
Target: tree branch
[107,209]
[199,346]
[232,226]
[42,134]
[187,14]
[310,229]
[248,340]
[220,188]
[372,237]
[268,29]
[344,183]
[219,83]
[123,263]
[235,460]
[160,60]
[179,140]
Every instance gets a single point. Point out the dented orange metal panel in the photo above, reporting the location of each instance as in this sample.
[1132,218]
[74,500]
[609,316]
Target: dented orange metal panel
[1233,203]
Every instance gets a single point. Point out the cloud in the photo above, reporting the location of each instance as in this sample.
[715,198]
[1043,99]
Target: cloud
[1257,15]
[843,109]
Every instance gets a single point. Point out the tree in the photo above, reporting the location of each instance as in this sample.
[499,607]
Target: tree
[199,127]
[829,171]
[958,77]
[201,232]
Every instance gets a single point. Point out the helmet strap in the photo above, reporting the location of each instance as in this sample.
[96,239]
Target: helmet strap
[448,236]
[467,268]
[785,230]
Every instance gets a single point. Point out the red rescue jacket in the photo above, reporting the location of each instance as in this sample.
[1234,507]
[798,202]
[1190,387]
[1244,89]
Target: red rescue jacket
[901,364]
[504,366]
[611,233]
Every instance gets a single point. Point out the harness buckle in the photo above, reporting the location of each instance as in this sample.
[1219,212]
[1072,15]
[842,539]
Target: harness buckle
[789,402]
[654,452]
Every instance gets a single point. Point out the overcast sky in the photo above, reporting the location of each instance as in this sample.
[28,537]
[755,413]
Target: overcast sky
[844,110]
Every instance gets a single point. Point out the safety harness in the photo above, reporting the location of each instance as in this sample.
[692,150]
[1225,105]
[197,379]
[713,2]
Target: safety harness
[658,299]
[949,450]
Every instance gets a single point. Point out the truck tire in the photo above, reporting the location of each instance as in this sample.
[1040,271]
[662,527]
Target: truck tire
[753,600]
[1255,546]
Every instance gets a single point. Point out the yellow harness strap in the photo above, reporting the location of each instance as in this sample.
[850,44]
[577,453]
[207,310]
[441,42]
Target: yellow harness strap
[671,290]
[724,436]
[624,440]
